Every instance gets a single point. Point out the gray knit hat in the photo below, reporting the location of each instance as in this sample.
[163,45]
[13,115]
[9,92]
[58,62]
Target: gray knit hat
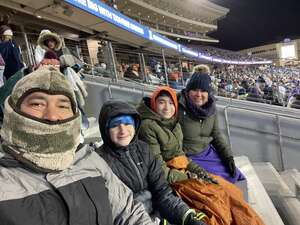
[47,80]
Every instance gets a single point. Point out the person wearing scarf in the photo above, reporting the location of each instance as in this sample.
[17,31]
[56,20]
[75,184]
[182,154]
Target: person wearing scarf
[219,200]
[202,138]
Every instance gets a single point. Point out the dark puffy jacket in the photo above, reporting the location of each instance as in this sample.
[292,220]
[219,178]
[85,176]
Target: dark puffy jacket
[137,167]
[87,193]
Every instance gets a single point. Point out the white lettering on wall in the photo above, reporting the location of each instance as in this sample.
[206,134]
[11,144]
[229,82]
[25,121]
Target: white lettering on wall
[82,2]
[105,12]
[93,6]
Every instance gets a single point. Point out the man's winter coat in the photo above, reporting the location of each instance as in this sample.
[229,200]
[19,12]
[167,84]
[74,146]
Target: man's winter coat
[87,193]
[200,132]
[137,167]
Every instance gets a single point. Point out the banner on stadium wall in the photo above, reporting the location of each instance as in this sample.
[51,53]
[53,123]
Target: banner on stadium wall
[103,11]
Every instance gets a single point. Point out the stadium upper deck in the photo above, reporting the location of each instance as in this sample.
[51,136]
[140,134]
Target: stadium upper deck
[179,19]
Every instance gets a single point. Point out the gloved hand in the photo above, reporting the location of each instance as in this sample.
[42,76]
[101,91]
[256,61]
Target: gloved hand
[229,162]
[164,222]
[195,219]
[201,173]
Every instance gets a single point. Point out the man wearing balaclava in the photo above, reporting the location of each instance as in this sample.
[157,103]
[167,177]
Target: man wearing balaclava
[46,176]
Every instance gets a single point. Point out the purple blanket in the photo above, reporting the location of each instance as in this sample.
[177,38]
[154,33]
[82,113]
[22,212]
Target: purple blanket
[211,162]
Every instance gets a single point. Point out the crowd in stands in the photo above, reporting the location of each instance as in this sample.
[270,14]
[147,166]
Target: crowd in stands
[259,83]
[267,84]
[224,54]
[155,165]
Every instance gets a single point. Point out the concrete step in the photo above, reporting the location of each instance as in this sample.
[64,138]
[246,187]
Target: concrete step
[292,179]
[257,195]
[285,201]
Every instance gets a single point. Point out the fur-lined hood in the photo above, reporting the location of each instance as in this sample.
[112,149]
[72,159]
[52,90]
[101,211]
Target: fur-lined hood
[47,34]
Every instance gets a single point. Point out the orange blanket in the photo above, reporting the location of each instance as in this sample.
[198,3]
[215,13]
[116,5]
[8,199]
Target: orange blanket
[223,204]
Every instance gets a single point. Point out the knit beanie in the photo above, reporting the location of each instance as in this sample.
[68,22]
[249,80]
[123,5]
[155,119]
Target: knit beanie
[200,81]
[43,145]
[5,30]
[50,59]
[164,90]
[120,119]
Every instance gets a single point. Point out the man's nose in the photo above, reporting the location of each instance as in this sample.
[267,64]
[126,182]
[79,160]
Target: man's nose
[51,113]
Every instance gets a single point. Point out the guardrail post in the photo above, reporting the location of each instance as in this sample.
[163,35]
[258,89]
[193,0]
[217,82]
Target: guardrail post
[109,90]
[165,66]
[143,66]
[113,62]
[227,125]
[29,52]
[280,143]
[181,73]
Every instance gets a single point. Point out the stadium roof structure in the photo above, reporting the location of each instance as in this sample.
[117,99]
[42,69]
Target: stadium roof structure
[99,20]
[186,19]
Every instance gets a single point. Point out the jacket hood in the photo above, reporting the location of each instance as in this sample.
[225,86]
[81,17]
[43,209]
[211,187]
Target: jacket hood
[112,109]
[158,91]
[145,110]
[47,34]
[147,113]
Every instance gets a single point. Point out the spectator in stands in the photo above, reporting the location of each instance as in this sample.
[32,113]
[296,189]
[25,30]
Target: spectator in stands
[133,73]
[133,162]
[50,59]
[151,77]
[294,102]
[9,52]
[47,41]
[202,139]
[46,175]
[162,131]
[260,85]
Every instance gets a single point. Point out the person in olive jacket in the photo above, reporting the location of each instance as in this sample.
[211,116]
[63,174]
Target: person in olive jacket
[135,165]
[202,138]
[161,130]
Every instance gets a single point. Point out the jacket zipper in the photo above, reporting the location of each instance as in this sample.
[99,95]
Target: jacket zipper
[136,169]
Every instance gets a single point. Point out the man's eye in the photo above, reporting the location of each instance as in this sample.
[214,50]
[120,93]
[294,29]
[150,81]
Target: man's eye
[36,104]
[65,107]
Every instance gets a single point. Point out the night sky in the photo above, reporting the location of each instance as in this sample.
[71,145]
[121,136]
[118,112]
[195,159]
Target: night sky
[252,23]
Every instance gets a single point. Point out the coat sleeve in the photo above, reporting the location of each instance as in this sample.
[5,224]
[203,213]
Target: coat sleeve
[39,54]
[169,206]
[218,142]
[148,135]
[125,210]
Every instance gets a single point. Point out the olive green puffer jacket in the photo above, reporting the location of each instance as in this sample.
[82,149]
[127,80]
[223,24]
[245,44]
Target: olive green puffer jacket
[164,138]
